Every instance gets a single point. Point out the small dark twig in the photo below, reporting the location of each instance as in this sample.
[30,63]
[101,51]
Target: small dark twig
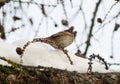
[89,71]
[63,5]
[117,64]
[9,61]
[36,3]
[65,51]
[36,40]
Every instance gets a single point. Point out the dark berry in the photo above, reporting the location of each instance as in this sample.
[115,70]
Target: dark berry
[99,20]
[64,22]
[19,51]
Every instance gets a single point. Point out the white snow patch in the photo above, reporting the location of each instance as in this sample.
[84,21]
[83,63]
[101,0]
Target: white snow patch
[40,54]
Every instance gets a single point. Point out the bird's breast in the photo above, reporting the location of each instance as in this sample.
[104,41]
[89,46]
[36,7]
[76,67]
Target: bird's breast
[65,41]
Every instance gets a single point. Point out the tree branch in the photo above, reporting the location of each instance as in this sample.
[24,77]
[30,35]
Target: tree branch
[91,27]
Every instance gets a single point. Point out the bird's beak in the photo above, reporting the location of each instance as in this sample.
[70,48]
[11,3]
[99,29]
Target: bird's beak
[75,33]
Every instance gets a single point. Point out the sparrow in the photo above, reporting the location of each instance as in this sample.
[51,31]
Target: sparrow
[62,39]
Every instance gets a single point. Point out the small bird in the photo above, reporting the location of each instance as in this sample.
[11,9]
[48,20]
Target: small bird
[63,39]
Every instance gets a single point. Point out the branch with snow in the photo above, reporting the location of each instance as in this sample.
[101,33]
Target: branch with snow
[21,51]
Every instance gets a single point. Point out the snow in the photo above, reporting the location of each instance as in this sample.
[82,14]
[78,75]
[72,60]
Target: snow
[44,55]
[8,51]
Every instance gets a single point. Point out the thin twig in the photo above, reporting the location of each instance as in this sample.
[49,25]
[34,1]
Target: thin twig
[91,27]
[89,71]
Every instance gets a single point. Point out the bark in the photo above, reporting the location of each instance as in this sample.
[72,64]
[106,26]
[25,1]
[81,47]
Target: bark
[48,75]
